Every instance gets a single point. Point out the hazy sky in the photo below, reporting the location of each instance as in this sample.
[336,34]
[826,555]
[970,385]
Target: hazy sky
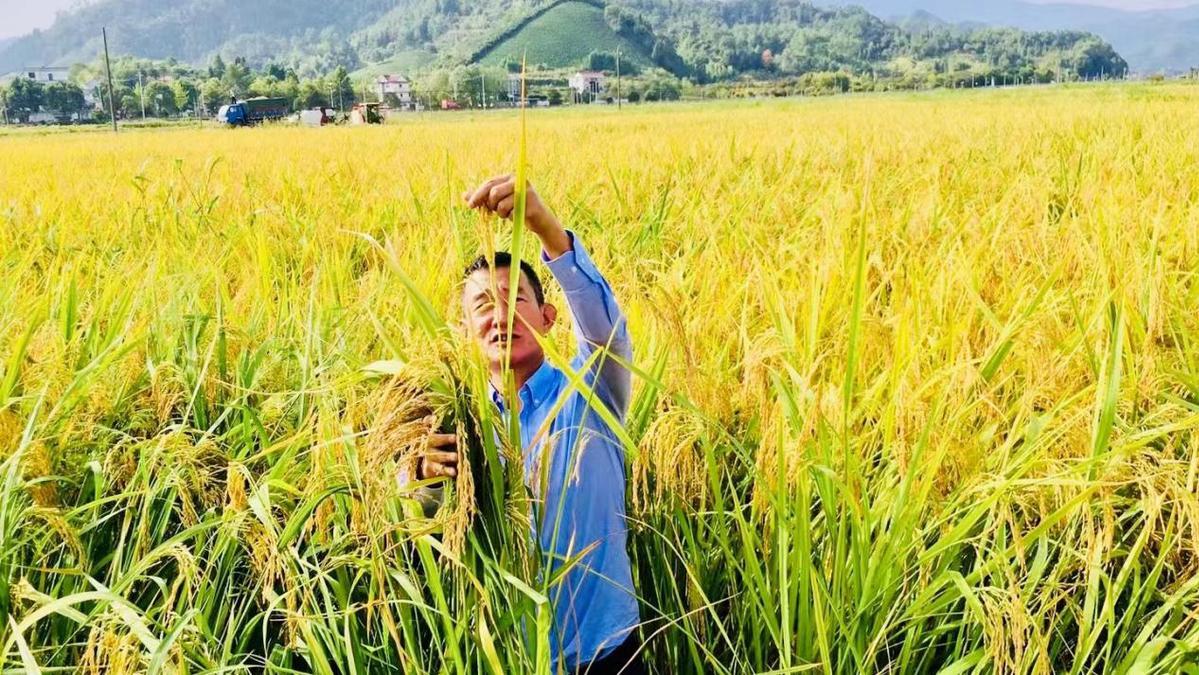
[18,17]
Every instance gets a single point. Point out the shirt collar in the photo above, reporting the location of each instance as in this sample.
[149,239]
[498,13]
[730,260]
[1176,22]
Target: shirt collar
[536,389]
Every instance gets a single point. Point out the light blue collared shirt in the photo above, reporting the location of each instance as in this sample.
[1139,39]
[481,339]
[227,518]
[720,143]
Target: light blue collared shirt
[582,503]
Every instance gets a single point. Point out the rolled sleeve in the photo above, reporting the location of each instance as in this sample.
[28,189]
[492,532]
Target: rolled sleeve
[574,269]
[598,321]
[593,306]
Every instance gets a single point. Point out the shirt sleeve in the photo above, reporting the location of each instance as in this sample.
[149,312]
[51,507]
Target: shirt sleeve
[598,321]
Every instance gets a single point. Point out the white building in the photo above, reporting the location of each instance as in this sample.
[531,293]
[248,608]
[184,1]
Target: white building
[46,74]
[587,85]
[396,85]
[92,96]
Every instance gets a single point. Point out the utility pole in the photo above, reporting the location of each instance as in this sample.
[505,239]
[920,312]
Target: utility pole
[618,101]
[483,88]
[141,92]
[112,104]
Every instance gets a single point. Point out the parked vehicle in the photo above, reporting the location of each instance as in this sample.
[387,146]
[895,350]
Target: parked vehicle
[253,111]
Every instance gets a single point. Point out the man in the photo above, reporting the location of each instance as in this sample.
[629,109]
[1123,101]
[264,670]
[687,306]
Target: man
[573,463]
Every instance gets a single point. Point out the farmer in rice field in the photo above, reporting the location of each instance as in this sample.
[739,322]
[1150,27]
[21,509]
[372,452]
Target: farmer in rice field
[595,608]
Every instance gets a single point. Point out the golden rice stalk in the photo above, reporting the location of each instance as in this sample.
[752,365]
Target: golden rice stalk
[406,411]
[671,462]
[37,464]
[111,649]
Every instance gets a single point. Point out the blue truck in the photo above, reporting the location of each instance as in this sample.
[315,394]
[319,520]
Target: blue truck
[253,111]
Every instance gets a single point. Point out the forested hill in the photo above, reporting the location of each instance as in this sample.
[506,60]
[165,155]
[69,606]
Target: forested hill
[705,40]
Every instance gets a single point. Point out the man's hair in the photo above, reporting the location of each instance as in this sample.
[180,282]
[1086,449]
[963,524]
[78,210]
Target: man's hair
[503,260]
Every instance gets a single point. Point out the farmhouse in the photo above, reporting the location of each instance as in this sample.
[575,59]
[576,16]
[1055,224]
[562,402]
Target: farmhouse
[587,85]
[45,74]
[395,85]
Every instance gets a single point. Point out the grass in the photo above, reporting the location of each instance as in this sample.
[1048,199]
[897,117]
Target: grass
[916,388]
[404,63]
[563,37]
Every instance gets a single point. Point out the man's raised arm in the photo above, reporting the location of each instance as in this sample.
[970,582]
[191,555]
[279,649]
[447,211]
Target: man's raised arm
[598,320]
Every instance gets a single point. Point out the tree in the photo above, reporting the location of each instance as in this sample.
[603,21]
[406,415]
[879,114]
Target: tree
[311,94]
[263,86]
[662,89]
[237,76]
[160,99]
[599,60]
[25,97]
[343,90]
[128,102]
[214,93]
[186,94]
[473,81]
[216,69]
[1095,58]
[64,98]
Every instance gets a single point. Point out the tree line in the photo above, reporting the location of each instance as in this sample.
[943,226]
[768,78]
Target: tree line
[149,88]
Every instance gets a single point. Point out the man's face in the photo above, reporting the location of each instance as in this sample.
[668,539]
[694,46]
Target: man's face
[485,306]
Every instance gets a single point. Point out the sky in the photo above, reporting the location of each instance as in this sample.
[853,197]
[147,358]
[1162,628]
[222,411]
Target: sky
[18,17]
[1118,4]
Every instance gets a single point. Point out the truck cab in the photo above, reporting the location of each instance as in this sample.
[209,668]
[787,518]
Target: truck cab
[232,113]
[253,111]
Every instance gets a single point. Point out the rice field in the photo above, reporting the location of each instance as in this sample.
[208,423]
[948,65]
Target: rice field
[916,387]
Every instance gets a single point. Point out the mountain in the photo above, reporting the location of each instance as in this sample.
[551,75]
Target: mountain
[564,34]
[707,40]
[1150,40]
[191,30]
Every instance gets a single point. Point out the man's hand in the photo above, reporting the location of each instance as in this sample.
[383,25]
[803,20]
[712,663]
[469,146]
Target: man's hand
[498,196]
[441,458]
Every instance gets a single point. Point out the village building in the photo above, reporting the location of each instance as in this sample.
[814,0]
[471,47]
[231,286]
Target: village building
[586,85]
[46,74]
[398,86]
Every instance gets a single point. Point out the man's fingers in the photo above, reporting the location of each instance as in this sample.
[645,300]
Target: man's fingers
[481,194]
[435,470]
[499,193]
[442,440]
[434,464]
[477,197]
[442,457]
[505,207]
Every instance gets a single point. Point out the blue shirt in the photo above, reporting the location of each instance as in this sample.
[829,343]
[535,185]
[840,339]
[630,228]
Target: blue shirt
[575,467]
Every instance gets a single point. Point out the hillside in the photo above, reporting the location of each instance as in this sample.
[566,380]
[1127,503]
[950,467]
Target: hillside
[1151,40]
[562,36]
[704,40]
[719,39]
[309,32]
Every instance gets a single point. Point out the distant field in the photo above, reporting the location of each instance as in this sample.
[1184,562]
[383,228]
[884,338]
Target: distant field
[404,63]
[564,37]
[916,390]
